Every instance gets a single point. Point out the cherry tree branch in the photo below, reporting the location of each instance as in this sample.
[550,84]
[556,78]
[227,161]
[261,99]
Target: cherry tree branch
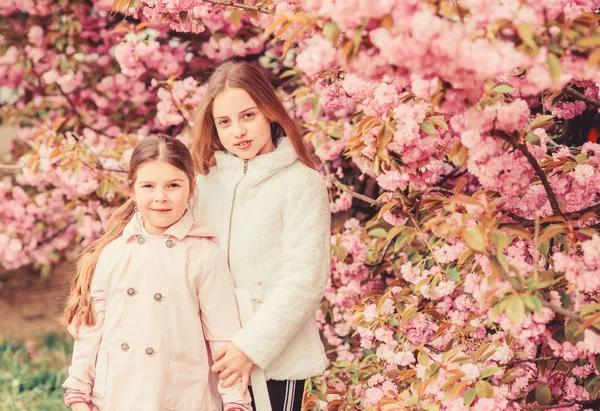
[569,314]
[242,6]
[522,147]
[543,178]
[356,195]
[571,92]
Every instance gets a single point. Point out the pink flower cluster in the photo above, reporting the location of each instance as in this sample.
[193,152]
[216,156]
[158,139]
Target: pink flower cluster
[178,102]
[138,53]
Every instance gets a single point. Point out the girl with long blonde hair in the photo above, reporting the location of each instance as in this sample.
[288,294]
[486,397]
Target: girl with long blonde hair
[257,186]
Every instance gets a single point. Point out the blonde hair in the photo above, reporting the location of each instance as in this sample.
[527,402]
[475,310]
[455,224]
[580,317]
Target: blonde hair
[241,74]
[153,148]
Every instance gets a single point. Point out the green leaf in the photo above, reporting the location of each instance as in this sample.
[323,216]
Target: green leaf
[533,303]
[515,309]
[453,274]
[569,166]
[559,335]
[554,66]
[331,31]
[533,138]
[378,233]
[526,34]
[543,395]
[423,359]
[540,121]
[394,231]
[582,158]
[497,309]
[438,121]
[401,240]
[501,241]
[475,239]
[469,397]
[503,88]
[565,299]
[484,389]
[488,372]
[571,328]
[544,248]
[428,127]
[593,387]
[590,308]
[236,16]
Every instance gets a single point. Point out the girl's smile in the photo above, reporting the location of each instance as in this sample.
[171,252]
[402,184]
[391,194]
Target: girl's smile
[243,145]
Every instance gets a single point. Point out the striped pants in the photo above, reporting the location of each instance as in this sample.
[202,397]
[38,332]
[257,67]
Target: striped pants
[284,395]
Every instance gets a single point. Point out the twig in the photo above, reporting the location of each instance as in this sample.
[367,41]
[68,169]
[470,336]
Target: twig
[523,222]
[571,92]
[538,169]
[10,167]
[441,190]
[362,197]
[382,255]
[569,314]
[543,178]
[585,403]
[457,172]
[511,363]
[550,407]
[242,6]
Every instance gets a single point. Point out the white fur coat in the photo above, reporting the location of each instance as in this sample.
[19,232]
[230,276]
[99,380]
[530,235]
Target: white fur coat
[278,251]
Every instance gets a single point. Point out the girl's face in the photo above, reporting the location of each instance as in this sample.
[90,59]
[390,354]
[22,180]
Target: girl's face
[161,192]
[243,129]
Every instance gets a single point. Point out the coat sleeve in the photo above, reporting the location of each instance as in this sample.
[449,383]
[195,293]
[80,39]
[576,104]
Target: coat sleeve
[216,297]
[305,245]
[82,371]
[219,314]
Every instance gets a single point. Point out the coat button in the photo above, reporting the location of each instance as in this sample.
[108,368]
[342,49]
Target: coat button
[141,240]
[259,283]
[170,243]
[130,292]
[124,346]
[259,301]
[149,351]
[158,297]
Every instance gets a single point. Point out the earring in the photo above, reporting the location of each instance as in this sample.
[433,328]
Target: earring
[135,207]
[189,205]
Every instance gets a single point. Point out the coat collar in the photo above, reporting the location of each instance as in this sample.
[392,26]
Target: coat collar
[184,227]
[260,167]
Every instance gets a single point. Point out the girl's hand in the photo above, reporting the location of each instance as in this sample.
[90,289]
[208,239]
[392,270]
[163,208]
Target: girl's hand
[80,406]
[231,365]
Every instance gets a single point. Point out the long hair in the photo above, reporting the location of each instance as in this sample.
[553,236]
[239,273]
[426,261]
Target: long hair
[153,148]
[241,74]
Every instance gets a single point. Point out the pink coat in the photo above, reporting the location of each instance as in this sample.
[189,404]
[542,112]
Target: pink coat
[157,300]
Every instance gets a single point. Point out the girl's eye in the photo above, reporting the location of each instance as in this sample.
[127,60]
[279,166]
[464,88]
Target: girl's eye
[174,185]
[223,122]
[147,186]
[248,115]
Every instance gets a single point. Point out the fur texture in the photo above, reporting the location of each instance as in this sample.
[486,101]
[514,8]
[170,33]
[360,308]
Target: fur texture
[278,249]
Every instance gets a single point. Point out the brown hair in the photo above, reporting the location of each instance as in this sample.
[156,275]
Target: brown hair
[153,148]
[241,74]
